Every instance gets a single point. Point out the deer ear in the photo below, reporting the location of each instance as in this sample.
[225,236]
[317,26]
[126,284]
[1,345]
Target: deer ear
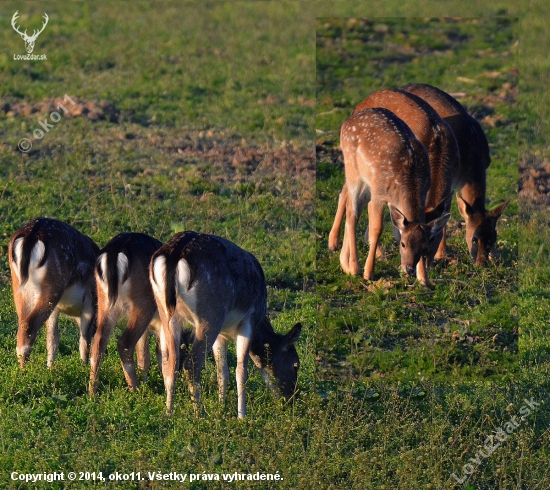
[293,334]
[397,218]
[497,211]
[437,225]
[463,207]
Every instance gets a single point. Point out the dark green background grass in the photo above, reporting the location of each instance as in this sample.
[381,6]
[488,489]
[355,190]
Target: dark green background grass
[237,78]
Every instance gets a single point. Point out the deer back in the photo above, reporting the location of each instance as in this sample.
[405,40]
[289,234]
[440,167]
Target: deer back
[126,256]
[51,255]
[212,277]
[381,152]
[430,130]
[472,142]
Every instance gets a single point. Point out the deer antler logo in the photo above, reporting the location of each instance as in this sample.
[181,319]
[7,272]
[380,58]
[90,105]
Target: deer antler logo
[29,40]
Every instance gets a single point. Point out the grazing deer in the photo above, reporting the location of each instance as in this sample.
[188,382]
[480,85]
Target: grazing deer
[220,290]
[123,288]
[29,40]
[438,139]
[386,164]
[470,175]
[52,271]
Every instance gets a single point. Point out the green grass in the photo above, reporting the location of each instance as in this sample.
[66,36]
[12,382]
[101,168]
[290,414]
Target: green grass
[215,133]
[391,328]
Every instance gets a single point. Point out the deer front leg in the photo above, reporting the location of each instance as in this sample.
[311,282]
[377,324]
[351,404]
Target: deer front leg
[422,272]
[52,336]
[335,231]
[348,255]
[376,225]
[242,348]
[87,325]
[220,355]
[442,249]
[105,326]
[143,354]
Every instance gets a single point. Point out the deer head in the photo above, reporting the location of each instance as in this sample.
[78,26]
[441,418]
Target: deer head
[29,40]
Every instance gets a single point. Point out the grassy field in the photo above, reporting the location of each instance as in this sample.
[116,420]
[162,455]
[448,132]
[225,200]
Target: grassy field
[211,126]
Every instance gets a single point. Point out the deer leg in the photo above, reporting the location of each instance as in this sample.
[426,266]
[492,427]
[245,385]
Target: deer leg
[29,326]
[348,255]
[143,354]
[170,334]
[87,325]
[335,231]
[52,336]
[243,348]
[442,249]
[376,225]
[220,355]
[422,272]
[106,323]
[134,331]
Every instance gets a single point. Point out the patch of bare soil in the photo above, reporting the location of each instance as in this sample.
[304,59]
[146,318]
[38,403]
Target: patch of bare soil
[534,182]
[69,107]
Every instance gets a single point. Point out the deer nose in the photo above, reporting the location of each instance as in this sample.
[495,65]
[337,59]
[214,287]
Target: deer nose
[411,271]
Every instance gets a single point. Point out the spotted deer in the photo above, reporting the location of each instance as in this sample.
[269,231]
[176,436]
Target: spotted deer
[52,271]
[386,164]
[470,176]
[123,289]
[220,290]
[438,139]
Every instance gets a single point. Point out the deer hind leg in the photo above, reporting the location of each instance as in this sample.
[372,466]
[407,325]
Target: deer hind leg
[376,225]
[52,336]
[220,355]
[134,331]
[106,323]
[170,334]
[340,211]
[29,326]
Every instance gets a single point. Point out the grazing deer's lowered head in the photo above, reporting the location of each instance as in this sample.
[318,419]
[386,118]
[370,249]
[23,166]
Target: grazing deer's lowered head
[52,268]
[386,164]
[29,40]
[220,290]
[438,139]
[123,288]
[470,176]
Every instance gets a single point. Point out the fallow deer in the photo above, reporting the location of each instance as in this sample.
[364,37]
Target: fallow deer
[123,288]
[52,271]
[220,290]
[438,139]
[470,175]
[386,164]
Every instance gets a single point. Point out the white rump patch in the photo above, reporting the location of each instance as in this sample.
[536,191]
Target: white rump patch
[103,278]
[187,294]
[17,250]
[158,275]
[122,266]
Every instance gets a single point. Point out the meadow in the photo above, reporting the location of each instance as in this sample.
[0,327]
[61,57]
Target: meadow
[208,123]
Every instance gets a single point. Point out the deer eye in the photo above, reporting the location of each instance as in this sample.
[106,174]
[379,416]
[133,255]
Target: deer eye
[403,244]
[474,240]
